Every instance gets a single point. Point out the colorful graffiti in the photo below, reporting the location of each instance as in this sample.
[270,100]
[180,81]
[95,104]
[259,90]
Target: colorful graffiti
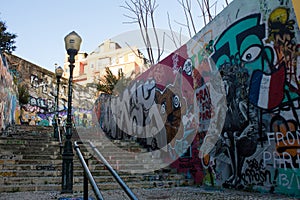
[252,142]
[154,110]
[8,104]
[224,107]
[258,145]
[41,107]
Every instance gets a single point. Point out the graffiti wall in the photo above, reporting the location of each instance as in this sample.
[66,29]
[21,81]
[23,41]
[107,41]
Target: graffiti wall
[225,106]
[255,49]
[42,87]
[8,103]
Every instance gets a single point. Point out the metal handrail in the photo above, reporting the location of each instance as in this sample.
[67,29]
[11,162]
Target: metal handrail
[130,194]
[87,172]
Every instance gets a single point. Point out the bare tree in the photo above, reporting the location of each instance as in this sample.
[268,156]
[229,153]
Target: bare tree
[176,41]
[187,9]
[142,13]
[206,8]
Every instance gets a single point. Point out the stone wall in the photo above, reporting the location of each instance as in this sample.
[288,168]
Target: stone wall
[42,86]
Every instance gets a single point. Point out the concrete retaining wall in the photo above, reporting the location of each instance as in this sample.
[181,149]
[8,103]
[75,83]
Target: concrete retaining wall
[225,106]
[8,95]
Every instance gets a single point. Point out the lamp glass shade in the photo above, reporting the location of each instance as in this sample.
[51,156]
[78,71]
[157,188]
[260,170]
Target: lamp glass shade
[59,72]
[72,41]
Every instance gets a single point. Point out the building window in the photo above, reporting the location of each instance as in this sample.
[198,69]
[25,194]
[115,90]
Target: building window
[112,46]
[81,68]
[121,59]
[103,62]
[131,57]
[113,61]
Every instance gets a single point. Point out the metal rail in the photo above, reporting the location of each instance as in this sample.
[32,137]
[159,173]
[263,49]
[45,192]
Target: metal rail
[130,194]
[87,175]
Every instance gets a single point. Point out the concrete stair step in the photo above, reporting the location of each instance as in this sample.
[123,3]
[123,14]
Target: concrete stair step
[49,170]
[27,148]
[42,157]
[25,142]
[78,186]
[57,179]
[30,160]
[29,173]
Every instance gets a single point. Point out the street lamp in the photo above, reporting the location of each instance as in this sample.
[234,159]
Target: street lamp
[58,72]
[72,44]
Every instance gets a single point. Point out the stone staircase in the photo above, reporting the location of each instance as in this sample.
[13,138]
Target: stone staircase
[30,160]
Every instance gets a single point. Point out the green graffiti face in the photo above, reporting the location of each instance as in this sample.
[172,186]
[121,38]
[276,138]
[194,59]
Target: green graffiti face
[241,45]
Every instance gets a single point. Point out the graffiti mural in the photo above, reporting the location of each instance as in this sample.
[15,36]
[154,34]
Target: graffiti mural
[248,138]
[40,109]
[258,145]
[234,89]
[8,105]
[156,111]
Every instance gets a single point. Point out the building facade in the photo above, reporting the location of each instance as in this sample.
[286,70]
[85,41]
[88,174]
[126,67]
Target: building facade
[90,67]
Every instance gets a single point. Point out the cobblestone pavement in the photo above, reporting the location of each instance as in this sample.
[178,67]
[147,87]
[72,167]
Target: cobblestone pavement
[179,193]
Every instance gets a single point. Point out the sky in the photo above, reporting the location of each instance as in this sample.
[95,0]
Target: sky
[41,26]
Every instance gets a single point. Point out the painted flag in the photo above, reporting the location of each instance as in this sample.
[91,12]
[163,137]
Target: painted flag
[267,90]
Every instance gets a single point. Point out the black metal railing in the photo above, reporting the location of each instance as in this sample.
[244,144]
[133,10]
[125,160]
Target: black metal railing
[87,175]
[127,190]
[116,176]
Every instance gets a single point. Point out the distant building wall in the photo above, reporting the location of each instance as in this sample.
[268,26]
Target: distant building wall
[89,68]
[42,85]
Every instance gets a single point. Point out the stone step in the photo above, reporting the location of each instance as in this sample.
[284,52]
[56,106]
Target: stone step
[46,169]
[33,142]
[41,157]
[50,170]
[150,180]
[28,173]
[38,165]
[13,158]
[77,188]
[16,161]
[23,132]
[30,160]
[29,167]
[45,149]
[18,147]
[57,180]
[133,168]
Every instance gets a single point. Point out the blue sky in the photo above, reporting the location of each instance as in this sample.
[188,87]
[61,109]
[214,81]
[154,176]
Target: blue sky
[42,25]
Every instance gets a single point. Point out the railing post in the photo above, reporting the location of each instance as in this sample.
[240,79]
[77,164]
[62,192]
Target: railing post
[126,189]
[85,183]
[87,172]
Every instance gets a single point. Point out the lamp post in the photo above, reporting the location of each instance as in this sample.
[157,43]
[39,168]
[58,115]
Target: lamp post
[72,44]
[58,72]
